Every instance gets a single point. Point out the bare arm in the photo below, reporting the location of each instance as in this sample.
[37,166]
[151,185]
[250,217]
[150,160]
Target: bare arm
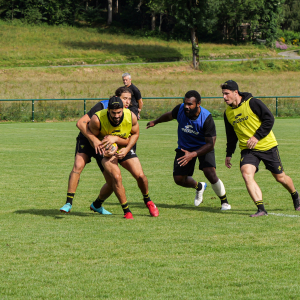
[209,146]
[163,118]
[92,131]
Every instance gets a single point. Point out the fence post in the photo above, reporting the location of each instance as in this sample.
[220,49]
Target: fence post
[276,106]
[32,117]
[84,106]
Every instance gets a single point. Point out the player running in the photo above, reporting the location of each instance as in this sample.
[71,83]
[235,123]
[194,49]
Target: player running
[250,122]
[196,139]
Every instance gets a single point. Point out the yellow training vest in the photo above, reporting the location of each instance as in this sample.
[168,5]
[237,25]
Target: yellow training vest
[245,123]
[107,128]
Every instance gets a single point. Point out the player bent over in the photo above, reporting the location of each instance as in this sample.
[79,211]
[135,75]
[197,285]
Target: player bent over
[83,154]
[84,149]
[196,139]
[250,122]
[123,123]
[130,162]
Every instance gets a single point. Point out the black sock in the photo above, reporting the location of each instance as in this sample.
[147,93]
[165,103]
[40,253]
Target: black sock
[70,197]
[125,207]
[260,205]
[223,199]
[98,202]
[198,187]
[146,198]
[295,197]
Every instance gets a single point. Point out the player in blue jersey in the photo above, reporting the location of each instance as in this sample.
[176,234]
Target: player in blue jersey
[196,139]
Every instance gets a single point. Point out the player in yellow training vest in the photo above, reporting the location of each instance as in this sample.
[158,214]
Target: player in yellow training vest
[130,161]
[250,122]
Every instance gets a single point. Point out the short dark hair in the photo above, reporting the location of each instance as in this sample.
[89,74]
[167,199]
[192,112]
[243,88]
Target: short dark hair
[195,94]
[115,103]
[121,90]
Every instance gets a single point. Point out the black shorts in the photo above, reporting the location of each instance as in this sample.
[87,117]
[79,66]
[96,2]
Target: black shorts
[130,154]
[270,158]
[205,161]
[83,146]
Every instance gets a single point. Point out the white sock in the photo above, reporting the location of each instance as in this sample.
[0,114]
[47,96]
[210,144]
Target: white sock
[219,188]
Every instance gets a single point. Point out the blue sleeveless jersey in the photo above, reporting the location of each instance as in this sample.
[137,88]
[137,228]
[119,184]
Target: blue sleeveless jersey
[190,132]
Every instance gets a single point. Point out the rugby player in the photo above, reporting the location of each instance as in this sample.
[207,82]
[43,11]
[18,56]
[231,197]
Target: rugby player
[250,122]
[128,161]
[119,122]
[196,139]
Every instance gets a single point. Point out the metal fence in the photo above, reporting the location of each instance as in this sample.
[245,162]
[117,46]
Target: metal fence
[276,98]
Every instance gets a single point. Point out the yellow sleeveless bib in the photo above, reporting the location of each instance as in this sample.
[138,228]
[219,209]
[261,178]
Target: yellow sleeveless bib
[245,123]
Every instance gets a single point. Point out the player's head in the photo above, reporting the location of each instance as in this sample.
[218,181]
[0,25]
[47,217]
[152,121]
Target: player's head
[230,91]
[115,110]
[192,100]
[126,77]
[125,95]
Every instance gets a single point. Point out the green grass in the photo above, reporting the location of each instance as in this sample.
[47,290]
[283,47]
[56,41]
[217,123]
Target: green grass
[30,46]
[186,253]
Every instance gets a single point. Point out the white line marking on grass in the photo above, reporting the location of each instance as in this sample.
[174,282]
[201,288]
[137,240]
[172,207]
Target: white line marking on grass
[284,215]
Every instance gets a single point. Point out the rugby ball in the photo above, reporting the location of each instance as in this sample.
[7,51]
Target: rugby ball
[111,150]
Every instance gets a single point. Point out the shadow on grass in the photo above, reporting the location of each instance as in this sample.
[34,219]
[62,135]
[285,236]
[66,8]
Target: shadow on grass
[55,213]
[146,53]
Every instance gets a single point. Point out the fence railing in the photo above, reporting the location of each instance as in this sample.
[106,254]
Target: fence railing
[144,98]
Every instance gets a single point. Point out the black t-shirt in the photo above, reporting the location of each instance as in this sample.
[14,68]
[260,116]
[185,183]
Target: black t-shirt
[136,95]
[209,127]
[91,112]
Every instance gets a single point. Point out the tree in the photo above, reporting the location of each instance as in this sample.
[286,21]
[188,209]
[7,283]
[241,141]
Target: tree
[291,15]
[195,15]
[109,12]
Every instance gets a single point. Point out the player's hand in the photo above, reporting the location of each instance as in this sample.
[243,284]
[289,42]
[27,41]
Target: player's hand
[99,148]
[251,143]
[111,152]
[228,164]
[150,124]
[109,140]
[188,156]
[122,153]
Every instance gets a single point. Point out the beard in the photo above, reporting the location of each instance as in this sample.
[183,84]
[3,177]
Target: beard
[191,113]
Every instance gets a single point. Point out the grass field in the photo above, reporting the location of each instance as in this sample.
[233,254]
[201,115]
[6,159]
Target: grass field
[30,46]
[186,253]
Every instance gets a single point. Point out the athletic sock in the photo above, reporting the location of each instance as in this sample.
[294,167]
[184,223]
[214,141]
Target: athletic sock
[98,202]
[220,191]
[70,197]
[295,197]
[125,207]
[223,199]
[198,186]
[260,205]
[146,198]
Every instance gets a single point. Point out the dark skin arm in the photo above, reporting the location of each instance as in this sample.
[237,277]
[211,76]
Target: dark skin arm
[163,118]
[188,156]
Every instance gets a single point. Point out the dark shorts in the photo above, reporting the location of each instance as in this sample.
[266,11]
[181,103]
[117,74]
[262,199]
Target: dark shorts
[206,161]
[270,158]
[83,146]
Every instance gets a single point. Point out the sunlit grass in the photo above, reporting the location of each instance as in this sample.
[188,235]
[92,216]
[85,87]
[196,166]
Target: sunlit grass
[187,252]
[45,45]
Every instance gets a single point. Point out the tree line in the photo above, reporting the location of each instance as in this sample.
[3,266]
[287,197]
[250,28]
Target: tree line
[207,20]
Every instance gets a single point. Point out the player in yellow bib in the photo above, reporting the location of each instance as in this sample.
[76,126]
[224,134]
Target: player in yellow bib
[250,122]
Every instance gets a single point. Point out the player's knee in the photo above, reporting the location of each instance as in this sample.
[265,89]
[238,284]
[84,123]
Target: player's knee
[280,178]
[247,176]
[179,180]
[78,166]
[116,178]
